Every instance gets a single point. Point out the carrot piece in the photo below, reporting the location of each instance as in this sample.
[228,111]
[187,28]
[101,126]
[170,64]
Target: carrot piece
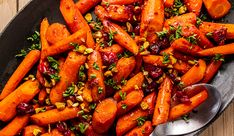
[115,48]
[181,66]
[194,6]
[132,100]
[119,13]
[148,103]
[95,75]
[163,102]
[85,5]
[54,132]
[24,93]
[121,36]
[139,61]
[15,126]
[101,13]
[169,50]
[185,46]
[129,121]
[154,59]
[28,130]
[182,57]
[195,74]
[152,19]
[182,109]
[64,45]
[217,8]
[211,70]
[104,115]
[68,75]
[230,30]
[87,93]
[42,96]
[137,80]
[224,50]
[90,132]
[44,43]
[168,3]
[53,116]
[118,2]
[145,130]
[56,32]
[124,66]
[28,62]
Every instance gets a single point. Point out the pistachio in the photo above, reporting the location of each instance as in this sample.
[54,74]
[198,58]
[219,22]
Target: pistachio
[129,27]
[108,73]
[79,98]
[69,103]
[60,105]
[88,51]
[88,17]
[144,105]
[36,132]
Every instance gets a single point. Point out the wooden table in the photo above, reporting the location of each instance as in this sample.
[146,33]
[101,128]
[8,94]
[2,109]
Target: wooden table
[223,126]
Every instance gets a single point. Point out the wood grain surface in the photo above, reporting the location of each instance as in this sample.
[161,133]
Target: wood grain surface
[223,126]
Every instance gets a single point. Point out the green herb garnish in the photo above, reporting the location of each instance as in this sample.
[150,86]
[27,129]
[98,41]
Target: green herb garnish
[166,58]
[95,66]
[122,95]
[53,63]
[141,120]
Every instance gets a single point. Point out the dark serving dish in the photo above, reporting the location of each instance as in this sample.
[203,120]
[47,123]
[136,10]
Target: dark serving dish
[13,38]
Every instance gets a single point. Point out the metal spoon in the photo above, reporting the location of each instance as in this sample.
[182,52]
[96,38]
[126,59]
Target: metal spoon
[205,113]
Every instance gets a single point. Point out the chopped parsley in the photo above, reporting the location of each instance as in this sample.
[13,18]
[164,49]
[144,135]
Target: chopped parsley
[177,33]
[111,37]
[123,81]
[141,120]
[218,57]
[113,65]
[82,75]
[166,58]
[192,39]
[22,53]
[92,106]
[93,76]
[124,106]
[75,45]
[55,76]
[122,95]
[100,90]
[177,9]
[210,34]
[82,127]
[95,66]
[53,63]
[162,34]
[69,91]
[186,118]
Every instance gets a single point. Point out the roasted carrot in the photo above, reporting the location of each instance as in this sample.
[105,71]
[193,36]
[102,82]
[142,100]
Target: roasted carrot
[24,93]
[162,106]
[224,50]
[119,13]
[54,132]
[194,6]
[145,130]
[85,5]
[24,67]
[124,66]
[101,13]
[42,96]
[87,93]
[148,103]
[118,2]
[217,8]
[44,43]
[168,3]
[135,81]
[183,57]
[68,75]
[53,116]
[28,130]
[169,50]
[129,121]
[138,66]
[15,126]
[132,100]
[90,132]
[195,74]
[115,48]
[154,59]
[152,19]
[95,75]
[121,36]
[104,115]
[56,32]
[181,66]
[182,109]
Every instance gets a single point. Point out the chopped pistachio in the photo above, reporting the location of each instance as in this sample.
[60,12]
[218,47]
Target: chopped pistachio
[182,10]
[173,59]
[36,132]
[37,110]
[144,105]
[108,73]
[88,51]
[75,104]
[136,87]
[129,27]
[79,98]
[48,90]
[192,62]
[47,101]
[145,53]
[97,34]
[53,82]
[82,106]
[60,105]
[145,73]
[69,103]
[47,84]
[30,77]
[115,70]
[88,17]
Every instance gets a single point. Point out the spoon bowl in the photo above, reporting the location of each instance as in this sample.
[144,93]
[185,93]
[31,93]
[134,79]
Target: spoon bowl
[203,115]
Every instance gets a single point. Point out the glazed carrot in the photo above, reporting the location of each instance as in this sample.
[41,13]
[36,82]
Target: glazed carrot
[152,19]
[194,6]
[119,13]
[85,5]
[185,46]
[230,30]
[115,48]
[53,116]
[28,130]
[211,70]
[95,75]
[54,132]
[181,66]
[224,50]
[90,132]
[169,50]
[42,96]
[87,93]
[104,115]
[124,66]
[155,60]
[129,121]
[121,36]
[44,43]
[78,37]
[182,57]
[118,2]
[132,100]
[24,93]
[148,103]
[68,75]
[101,13]
[145,130]
[195,74]
[168,3]
[162,106]
[137,80]
[15,126]
[182,109]
[217,8]
[24,67]
[56,32]
[138,66]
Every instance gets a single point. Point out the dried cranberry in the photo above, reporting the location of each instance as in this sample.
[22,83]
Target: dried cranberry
[219,36]
[109,58]
[62,127]
[137,29]
[183,97]
[93,83]
[44,67]
[154,71]
[105,36]
[154,49]
[67,133]
[151,87]
[24,108]
[137,10]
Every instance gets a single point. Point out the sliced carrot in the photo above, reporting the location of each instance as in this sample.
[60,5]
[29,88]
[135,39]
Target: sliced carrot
[183,57]
[54,132]
[223,50]
[148,103]
[90,132]
[42,96]
[85,5]
[44,43]
[115,48]
[24,67]
[139,61]
[118,2]
[155,60]
[182,109]
[87,93]
[181,67]
[162,107]
[28,130]
[101,13]
[194,6]
[168,3]
[145,130]
[119,13]
[24,93]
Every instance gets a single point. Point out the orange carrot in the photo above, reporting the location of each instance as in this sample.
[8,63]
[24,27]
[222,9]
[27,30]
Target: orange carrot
[53,116]
[101,13]
[224,50]
[181,66]
[68,75]
[182,109]
[148,103]
[42,96]
[194,6]
[155,60]
[139,61]
[124,66]
[104,115]
[168,3]
[121,36]
[54,132]
[182,57]
[43,29]
[115,48]
[162,106]
[118,2]
[87,93]
[152,19]
[24,93]
[135,81]
[217,8]
[15,126]
[145,130]
[195,74]
[28,62]
[85,5]
[28,130]
[119,13]
[90,132]
[169,50]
